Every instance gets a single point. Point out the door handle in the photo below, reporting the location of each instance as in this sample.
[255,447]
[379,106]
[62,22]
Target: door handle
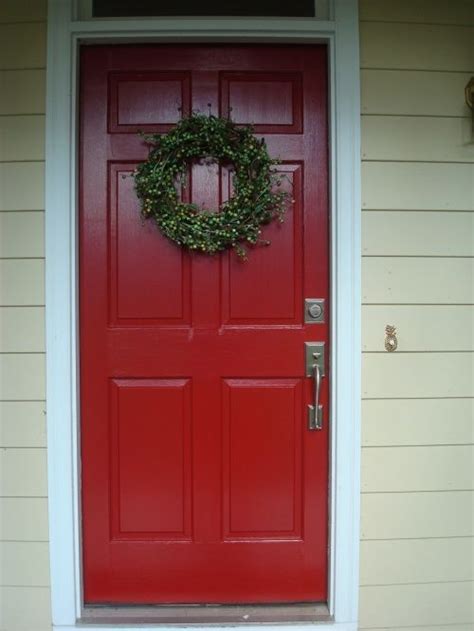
[315,411]
[315,369]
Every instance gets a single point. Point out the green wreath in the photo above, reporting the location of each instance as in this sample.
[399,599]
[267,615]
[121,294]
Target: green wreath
[239,220]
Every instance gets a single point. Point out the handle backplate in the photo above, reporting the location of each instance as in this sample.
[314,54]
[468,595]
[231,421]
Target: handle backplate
[314,354]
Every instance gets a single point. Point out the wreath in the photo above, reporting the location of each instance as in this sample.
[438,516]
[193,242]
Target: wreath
[239,220]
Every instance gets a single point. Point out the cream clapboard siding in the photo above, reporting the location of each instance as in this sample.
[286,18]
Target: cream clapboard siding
[24,573]
[417,545]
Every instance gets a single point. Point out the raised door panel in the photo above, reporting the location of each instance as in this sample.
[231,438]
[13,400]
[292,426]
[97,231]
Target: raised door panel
[148,101]
[150,284]
[262,448]
[269,290]
[150,438]
[270,102]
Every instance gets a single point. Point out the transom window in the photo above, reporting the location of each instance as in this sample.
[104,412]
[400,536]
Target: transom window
[230,8]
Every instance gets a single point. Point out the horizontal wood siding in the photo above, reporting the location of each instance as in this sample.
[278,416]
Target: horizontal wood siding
[21,329]
[22,45]
[417,561]
[24,519]
[416,93]
[23,11]
[426,468]
[420,604]
[431,421]
[418,233]
[413,375]
[22,234]
[418,280]
[24,577]
[14,195]
[23,472]
[437,139]
[460,12]
[417,545]
[25,564]
[25,608]
[22,92]
[417,515]
[422,327]
[23,424]
[22,138]
[417,185]
[22,282]
[401,45]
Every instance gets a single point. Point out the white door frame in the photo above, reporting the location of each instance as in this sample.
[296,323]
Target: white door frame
[64,38]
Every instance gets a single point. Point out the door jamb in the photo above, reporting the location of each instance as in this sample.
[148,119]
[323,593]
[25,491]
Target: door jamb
[64,38]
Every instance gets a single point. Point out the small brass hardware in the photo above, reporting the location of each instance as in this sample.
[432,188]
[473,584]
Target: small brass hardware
[313,310]
[391,342]
[469,95]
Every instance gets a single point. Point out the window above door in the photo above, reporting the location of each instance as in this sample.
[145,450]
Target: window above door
[112,9]
[126,8]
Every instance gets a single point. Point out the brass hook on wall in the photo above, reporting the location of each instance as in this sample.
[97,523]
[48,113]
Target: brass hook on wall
[391,342]
[469,95]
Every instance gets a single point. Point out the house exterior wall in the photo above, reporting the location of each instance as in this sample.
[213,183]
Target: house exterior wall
[24,573]
[417,558]
[418,243]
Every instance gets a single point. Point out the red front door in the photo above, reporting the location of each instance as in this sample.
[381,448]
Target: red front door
[201,482]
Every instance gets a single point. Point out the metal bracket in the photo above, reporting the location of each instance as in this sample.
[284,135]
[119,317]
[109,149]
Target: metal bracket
[469,94]
[314,354]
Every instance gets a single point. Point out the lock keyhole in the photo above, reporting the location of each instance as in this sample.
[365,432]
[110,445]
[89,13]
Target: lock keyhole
[315,311]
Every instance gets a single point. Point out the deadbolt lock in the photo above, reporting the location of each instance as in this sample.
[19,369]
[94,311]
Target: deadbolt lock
[313,310]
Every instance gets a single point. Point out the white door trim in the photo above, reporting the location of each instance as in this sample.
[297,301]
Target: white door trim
[64,38]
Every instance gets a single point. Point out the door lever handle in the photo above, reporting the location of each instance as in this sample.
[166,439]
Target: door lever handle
[314,368]
[315,411]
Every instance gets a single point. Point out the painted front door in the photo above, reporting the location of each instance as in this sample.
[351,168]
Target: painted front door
[201,482]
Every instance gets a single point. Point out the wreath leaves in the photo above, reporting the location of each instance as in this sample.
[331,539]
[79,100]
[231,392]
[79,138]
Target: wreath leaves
[239,220]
